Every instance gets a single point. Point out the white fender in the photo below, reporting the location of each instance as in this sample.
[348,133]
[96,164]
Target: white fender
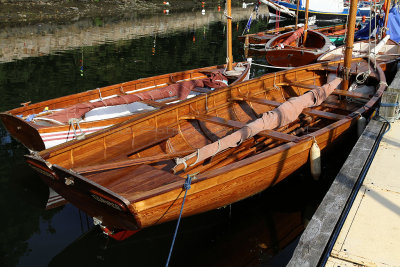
[315,160]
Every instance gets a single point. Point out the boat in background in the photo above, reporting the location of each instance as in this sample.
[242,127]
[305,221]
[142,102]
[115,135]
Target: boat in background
[290,50]
[326,10]
[296,48]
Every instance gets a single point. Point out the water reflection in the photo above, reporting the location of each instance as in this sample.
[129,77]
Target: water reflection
[45,39]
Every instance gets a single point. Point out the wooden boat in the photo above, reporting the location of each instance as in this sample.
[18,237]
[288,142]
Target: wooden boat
[296,48]
[285,50]
[130,176]
[43,131]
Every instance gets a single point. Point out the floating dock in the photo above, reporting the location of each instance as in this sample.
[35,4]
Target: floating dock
[358,221]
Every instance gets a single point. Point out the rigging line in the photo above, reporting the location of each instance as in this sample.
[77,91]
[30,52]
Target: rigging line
[186,186]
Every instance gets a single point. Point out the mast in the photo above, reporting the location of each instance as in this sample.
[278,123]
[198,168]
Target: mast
[305,23]
[297,13]
[387,5]
[229,35]
[349,43]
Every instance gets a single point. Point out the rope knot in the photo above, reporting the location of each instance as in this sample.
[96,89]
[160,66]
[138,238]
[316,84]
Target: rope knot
[188,182]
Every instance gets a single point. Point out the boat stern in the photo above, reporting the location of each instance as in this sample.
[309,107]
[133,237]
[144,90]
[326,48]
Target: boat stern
[22,131]
[105,206]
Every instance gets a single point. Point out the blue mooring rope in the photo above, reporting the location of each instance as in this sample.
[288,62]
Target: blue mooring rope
[186,186]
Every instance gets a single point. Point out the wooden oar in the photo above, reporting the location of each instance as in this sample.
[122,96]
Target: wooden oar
[131,162]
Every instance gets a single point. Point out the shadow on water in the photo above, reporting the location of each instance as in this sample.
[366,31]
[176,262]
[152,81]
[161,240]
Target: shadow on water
[261,230]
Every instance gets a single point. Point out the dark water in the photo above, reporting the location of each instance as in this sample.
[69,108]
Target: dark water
[259,231]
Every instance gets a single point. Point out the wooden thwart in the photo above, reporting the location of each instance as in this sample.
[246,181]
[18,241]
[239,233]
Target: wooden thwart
[238,124]
[323,114]
[337,106]
[351,94]
[336,91]
[301,85]
[258,101]
[308,111]
[132,162]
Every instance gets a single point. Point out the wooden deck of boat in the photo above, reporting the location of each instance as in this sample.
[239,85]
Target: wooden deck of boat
[369,234]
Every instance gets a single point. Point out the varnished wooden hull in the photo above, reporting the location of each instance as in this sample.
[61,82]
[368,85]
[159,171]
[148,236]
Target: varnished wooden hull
[37,137]
[290,57]
[145,194]
[294,56]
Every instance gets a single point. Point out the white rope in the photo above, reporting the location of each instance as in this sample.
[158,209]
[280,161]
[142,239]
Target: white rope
[363,75]
[181,161]
[72,122]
